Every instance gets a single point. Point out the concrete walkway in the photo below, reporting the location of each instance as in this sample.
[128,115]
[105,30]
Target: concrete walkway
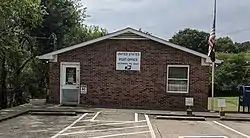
[9,113]
[228,116]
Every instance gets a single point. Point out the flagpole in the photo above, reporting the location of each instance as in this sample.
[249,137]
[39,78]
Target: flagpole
[213,61]
[212,100]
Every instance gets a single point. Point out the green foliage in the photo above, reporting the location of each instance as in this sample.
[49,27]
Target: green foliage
[17,18]
[65,19]
[192,39]
[225,44]
[236,56]
[26,27]
[234,70]
[83,33]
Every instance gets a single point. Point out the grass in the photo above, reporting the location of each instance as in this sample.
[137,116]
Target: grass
[231,103]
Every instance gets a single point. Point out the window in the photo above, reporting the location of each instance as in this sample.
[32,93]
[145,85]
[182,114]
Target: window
[70,75]
[177,78]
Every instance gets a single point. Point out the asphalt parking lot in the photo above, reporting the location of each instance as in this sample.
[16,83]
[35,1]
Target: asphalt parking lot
[118,123]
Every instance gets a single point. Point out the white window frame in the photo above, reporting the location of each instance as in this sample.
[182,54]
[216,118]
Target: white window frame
[181,66]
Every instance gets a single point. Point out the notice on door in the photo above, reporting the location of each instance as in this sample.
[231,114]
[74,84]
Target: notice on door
[128,61]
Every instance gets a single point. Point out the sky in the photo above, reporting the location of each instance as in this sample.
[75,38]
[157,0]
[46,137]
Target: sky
[164,18]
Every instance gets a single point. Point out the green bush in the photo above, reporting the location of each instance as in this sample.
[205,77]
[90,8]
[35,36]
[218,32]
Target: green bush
[232,72]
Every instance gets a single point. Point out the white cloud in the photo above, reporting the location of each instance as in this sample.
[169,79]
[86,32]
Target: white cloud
[165,17]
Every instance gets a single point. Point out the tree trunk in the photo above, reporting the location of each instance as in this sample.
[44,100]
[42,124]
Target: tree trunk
[18,96]
[3,90]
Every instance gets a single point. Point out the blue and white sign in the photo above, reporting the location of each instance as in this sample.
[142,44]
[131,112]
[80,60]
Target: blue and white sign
[128,61]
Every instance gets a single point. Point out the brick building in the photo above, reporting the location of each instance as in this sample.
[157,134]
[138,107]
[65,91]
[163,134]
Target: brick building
[128,69]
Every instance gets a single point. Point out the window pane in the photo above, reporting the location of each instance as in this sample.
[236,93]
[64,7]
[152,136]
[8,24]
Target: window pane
[178,72]
[177,85]
[70,75]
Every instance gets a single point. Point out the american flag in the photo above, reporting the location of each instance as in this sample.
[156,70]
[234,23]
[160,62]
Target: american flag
[211,41]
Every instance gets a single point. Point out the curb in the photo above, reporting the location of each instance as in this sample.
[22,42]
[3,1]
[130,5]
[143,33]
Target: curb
[45,112]
[234,119]
[232,112]
[54,113]
[13,116]
[60,111]
[181,118]
[183,115]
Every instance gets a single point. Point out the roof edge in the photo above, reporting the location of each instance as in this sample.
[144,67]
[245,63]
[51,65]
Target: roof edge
[128,29]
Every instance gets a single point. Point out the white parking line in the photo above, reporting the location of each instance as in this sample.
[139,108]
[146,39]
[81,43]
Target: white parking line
[108,124]
[56,135]
[203,137]
[229,128]
[108,121]
[122,134]
[95,116]
[136,117]
[150,127]
[80,132]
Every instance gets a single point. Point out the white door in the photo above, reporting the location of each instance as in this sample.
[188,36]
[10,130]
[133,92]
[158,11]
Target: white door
[70,83]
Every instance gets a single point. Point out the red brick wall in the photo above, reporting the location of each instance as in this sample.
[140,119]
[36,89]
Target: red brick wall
[108,87]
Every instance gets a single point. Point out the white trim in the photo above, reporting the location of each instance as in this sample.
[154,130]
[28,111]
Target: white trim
[154,38]
[203,62]
[62,73]
[70,63]
[50,57]
[180,66]
[84,43]
[176,79]
[54,58]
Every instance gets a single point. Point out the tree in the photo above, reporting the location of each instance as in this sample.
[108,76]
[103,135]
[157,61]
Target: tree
[65,19]
[232,72]
[62,17]
[17,19]
[243,47]
[26,29]
[81,33]
[191,38]
[225,44]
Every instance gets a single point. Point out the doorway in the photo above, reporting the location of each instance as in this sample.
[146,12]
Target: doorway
[70,83]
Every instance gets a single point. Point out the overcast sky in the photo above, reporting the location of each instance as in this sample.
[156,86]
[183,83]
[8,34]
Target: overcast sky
[165,17]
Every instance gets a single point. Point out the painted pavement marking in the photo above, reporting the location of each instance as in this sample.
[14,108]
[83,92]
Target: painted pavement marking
[122,134]
[229,128]
[203,137]
[136,117]
[80,132]
[66,128]
[108,121]
[92,119]
[118,123]
[150,127]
